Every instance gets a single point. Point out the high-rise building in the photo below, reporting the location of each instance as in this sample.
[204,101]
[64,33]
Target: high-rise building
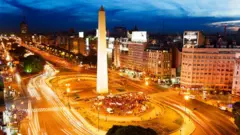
[102,70]
[236,76]
[159,62]
[77,45]
[208,68]
[23,27]
[132,56]
[176,59]
[143,57]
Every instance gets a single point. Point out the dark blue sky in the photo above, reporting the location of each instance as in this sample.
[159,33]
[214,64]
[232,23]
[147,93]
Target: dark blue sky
[178,15]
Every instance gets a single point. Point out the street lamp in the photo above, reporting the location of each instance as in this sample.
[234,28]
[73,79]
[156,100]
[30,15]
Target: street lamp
[17,121]
[13,106]
[146,83]
[186,97]
[121,74]
[67,85]
[68,91]
[18,78]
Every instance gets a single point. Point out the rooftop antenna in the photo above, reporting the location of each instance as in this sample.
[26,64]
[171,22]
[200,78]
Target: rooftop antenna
[225,30]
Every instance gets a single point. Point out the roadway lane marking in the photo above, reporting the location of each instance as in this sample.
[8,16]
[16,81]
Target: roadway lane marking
[66,132]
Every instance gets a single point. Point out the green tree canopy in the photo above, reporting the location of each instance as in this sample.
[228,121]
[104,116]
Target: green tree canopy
[33,64]
[17,51]
[236,113]
[130,130]
[1,83]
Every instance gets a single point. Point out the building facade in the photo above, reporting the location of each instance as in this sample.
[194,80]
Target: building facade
[208,68]
[136,56]
[23,27]
[73,44]
[236,76]
[143,57]
[130,55]
[159,63]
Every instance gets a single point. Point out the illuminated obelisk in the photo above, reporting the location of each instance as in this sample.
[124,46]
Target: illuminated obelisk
[102,70]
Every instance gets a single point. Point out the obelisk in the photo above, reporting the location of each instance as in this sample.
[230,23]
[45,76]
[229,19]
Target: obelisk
[102,70]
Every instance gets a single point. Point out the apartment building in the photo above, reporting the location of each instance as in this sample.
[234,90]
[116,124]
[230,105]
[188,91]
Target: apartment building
[208,68]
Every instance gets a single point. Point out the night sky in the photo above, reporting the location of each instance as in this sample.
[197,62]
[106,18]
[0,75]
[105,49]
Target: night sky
[177,15]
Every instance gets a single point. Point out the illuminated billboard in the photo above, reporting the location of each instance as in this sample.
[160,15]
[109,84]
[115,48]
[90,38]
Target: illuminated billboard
[81,34]
[123,47]
[87,43]
[190,39]
[111,42]
[139,36]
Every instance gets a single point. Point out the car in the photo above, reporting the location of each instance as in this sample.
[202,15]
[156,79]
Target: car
[223,108]
[192,96]
[186,93]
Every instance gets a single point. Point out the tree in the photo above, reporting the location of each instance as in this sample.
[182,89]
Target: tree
[91,60]
[130,130]
[236,113]
[33,64]
[1,91]
[17,51]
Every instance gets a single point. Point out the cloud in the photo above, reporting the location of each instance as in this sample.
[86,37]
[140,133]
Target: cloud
[175,8]
[120,11]
[232,25]
[235,28]
[233,22]
[6,8]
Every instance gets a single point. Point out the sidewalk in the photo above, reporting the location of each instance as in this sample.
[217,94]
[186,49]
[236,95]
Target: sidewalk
[188,126]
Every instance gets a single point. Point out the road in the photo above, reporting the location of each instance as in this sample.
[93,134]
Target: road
[52,58]
[52,117]
[212,120]
[209,120]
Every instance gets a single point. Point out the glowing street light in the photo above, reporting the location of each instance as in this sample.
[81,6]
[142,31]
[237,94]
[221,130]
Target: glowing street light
[121,74]
[15,116]
[67,85]
[186,98]
[13,106]
[146,83]
[8,58]
[68,90]
[18,78]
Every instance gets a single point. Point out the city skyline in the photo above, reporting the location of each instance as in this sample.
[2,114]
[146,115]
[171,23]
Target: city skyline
[119,67]
[153,16]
